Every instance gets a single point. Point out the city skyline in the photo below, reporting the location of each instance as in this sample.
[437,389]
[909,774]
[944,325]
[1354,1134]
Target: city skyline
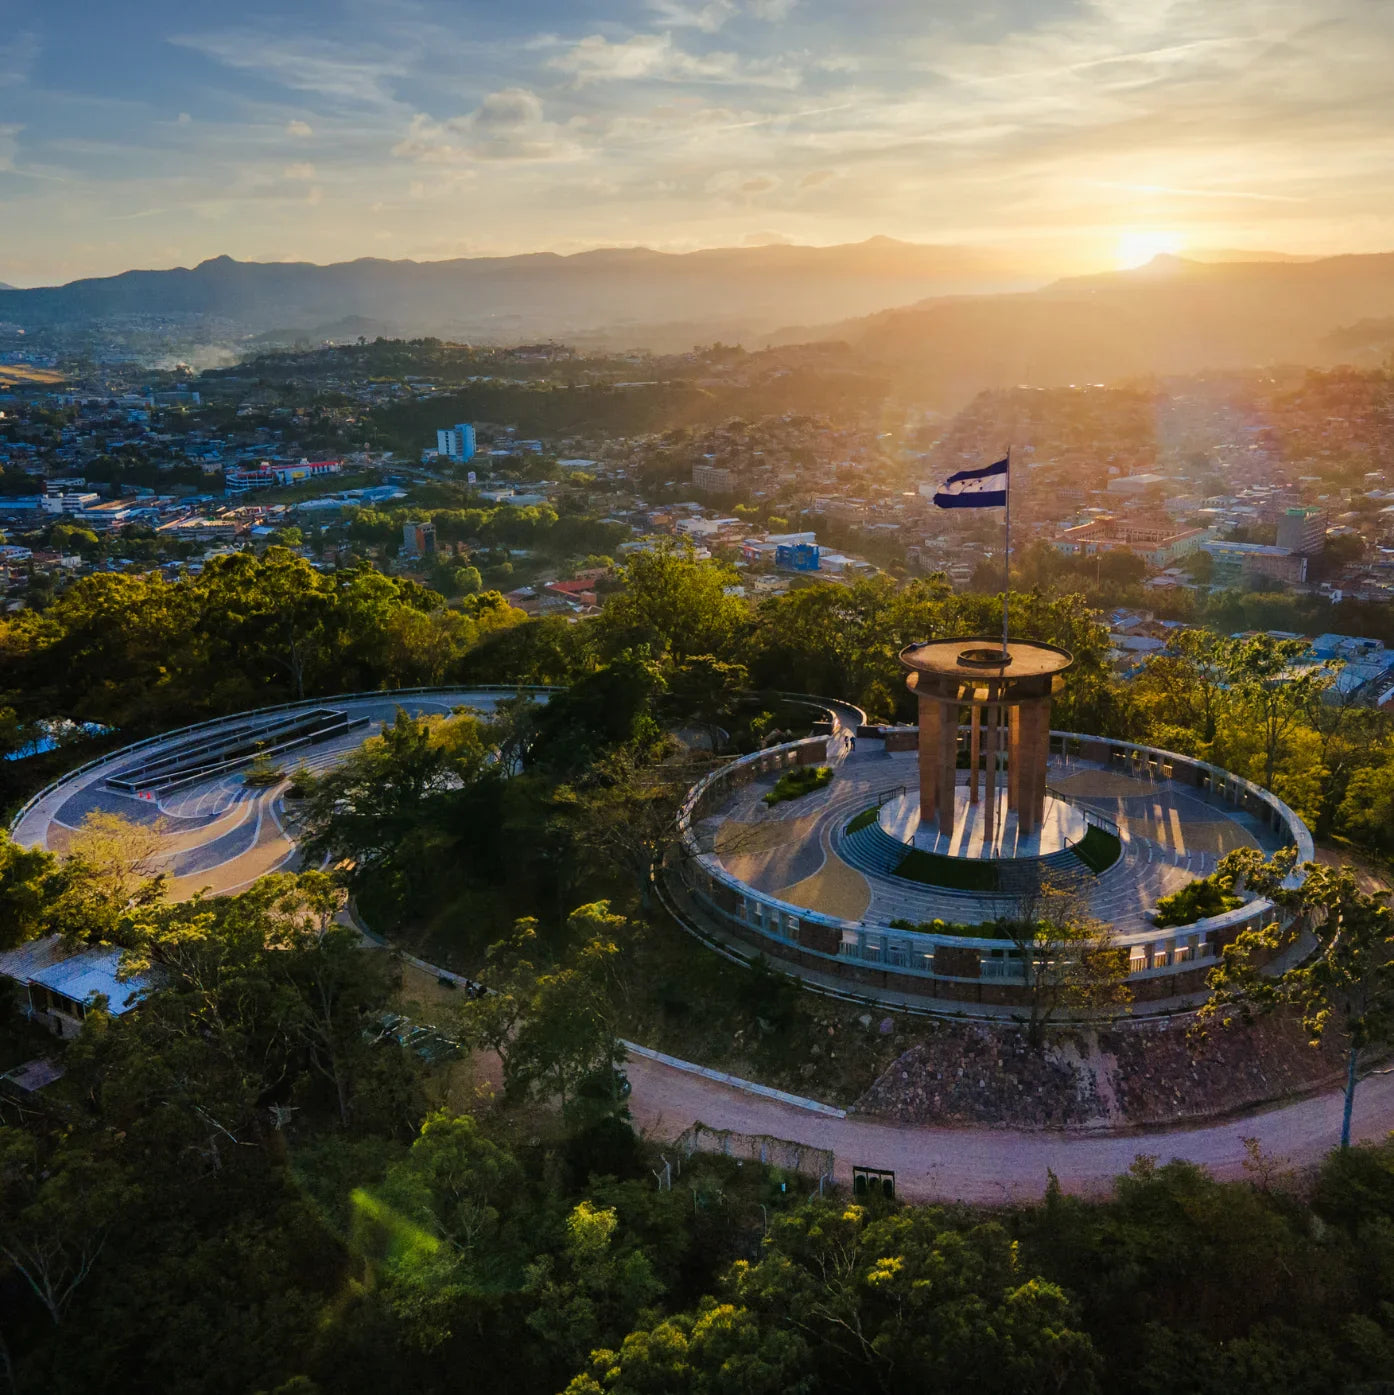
[1077,136]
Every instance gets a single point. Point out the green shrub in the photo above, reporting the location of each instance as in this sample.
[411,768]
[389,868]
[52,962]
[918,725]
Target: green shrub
[1198,900]
[263,772]
[999,929]
[1098,848]
[959,873]
[794,784]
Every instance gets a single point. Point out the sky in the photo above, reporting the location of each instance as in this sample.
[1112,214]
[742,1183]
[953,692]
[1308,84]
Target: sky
[1080,134]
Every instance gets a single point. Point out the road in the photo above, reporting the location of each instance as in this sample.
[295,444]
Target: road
[993,1166]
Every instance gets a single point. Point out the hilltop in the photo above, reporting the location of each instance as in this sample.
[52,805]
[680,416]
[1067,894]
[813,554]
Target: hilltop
[1173,315]
[618,296]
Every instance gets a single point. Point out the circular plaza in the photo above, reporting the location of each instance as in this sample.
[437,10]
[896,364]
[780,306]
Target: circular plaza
[218,833]
[893,878]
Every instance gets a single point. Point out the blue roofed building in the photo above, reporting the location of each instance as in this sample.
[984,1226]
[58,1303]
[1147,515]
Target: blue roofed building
[56,982]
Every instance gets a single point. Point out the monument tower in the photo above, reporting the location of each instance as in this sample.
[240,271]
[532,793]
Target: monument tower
[1003,693]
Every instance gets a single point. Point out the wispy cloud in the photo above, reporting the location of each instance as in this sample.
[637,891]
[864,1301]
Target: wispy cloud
[656,57]
[507,125]
[358,73]
[694,121]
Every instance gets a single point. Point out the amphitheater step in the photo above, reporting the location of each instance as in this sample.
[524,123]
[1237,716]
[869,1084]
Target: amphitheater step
[871,849]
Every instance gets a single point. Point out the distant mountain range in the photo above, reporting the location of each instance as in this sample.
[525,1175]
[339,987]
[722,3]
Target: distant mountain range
[1171,316]
[617,296]
[940,322]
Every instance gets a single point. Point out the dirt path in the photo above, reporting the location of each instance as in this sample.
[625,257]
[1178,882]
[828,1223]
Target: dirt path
[1370,874]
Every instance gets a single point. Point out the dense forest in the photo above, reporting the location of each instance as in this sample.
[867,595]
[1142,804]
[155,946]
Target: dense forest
[252,1184]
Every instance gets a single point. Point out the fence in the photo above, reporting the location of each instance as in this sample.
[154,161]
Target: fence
[1162,963]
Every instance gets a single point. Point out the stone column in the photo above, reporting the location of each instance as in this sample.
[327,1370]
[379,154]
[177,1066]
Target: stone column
[1031,755]
[975,753]
[929,744]
[938,759]
[947,762]
[1014,757]
[993,714]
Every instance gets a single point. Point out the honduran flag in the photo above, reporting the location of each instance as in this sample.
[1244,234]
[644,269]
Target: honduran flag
[975,489]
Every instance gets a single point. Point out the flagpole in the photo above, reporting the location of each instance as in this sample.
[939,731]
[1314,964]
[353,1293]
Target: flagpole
[1007,557]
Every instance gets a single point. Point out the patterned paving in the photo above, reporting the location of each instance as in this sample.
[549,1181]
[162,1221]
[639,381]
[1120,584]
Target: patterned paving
[220,835]
[799,851]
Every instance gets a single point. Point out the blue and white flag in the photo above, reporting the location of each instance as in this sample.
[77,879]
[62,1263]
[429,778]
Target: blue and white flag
[975,489]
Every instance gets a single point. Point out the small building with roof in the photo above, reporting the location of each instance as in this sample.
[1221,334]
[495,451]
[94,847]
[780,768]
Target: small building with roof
[56,982]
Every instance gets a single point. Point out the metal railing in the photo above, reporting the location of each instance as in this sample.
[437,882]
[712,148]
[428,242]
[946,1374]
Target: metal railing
[213,723]
[1091,816]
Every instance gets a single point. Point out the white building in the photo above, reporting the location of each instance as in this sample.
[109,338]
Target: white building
[68,501]
[56,982]
[456,442]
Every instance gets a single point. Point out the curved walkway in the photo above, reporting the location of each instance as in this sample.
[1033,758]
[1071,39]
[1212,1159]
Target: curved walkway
[993,1166]
[799,851]
[219,836]
[222,837]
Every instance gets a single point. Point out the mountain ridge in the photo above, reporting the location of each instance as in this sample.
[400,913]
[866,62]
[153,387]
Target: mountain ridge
[751,289]
[1170,316]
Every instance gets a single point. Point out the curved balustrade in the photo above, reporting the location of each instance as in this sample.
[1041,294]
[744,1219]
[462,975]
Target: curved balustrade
[1164,964]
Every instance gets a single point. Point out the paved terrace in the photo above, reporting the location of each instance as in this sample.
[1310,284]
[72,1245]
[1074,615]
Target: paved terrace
[799,851]
[220,835]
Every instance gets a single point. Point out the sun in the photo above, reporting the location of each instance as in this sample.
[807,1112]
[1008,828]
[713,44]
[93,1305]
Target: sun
[1138,246]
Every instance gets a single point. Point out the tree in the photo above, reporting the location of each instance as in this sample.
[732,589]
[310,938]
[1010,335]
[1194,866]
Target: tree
[122,857]
[1278,694]
[1346,983]
[489,1020]
[57,1204]
[1192,686]
[1068,958]
[551,1028]
[623,812]
[841,1299]
[703,689]
[568,1031]
[1367,811]
[446,1229]
[675,603]
[380,807]
[593,1292]
[719,1350]
[612,707]
[30,883]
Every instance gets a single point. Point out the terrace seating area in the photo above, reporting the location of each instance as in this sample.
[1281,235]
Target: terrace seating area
[214,752]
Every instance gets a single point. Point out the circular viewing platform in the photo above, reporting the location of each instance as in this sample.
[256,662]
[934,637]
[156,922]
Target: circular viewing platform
[970,834]
[943,664]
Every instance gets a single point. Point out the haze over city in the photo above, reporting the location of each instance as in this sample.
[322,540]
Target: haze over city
[1073,136]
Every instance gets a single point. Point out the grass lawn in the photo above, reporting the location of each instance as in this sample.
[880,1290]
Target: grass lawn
[1098,849]
[865,819]
[794,784]
[957,873]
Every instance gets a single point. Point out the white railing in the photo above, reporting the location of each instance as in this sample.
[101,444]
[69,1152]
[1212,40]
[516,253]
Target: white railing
[214,723]
[911,952]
